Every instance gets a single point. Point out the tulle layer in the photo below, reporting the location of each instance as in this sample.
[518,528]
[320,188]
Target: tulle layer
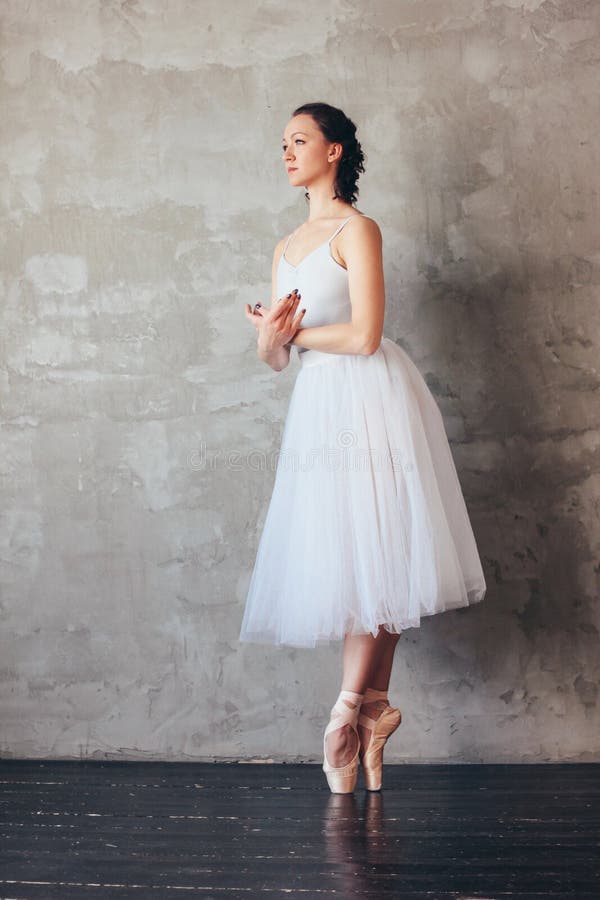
[367,524]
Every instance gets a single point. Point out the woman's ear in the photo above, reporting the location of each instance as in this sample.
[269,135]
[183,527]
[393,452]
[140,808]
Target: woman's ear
[335,152]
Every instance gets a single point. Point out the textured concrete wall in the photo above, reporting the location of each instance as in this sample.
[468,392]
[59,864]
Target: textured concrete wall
[144,195]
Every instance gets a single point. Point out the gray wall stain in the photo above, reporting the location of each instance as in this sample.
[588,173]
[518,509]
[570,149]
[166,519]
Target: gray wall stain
[140,432]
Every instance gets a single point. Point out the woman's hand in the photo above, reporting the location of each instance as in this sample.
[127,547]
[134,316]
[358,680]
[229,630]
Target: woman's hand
[277,325]
[254,314]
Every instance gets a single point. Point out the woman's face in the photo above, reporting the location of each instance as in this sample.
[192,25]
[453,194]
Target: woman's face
[307,154]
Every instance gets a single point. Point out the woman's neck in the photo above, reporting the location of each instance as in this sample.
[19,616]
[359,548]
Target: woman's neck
[321,202]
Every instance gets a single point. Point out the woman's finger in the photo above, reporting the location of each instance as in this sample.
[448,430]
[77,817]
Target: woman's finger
[292,309]
[296,323]
[283,305]
[255,320]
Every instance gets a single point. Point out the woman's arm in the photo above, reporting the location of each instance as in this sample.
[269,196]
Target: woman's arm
[276,330]
[361,251]
[278,358]
[276,325]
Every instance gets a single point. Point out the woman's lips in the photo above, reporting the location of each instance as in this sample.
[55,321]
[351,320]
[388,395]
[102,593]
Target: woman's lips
[293,169]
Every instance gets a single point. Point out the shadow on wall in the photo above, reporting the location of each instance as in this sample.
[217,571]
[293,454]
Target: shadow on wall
[516,358]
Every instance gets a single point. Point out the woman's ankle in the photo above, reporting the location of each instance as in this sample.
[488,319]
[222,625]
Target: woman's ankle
[372,695]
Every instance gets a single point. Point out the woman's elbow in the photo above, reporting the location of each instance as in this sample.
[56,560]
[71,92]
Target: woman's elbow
[371,344]
[367,338]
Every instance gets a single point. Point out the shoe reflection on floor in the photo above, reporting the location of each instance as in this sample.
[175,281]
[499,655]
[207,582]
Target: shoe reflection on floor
[355,840]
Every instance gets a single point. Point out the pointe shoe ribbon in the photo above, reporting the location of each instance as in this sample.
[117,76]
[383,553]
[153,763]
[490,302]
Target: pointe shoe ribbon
[342,780]
[381,729]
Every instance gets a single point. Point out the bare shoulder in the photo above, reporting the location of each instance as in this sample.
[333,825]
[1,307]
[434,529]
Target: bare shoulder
[277,254]
[359,240]
[279,246]
[360,231]
[367,228]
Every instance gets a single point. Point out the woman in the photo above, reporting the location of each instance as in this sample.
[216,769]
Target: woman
[367,529]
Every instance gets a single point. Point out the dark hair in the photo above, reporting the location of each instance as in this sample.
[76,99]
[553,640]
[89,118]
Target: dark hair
[337,127]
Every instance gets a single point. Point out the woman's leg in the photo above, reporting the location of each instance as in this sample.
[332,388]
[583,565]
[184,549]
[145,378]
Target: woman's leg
[367,662]
[380,677]
[380,681]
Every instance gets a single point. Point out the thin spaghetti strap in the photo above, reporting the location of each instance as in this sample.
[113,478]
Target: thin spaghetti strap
[339,228]
[290,236]
[329,240]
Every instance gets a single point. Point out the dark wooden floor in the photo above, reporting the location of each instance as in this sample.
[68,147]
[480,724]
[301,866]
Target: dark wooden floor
[171,830]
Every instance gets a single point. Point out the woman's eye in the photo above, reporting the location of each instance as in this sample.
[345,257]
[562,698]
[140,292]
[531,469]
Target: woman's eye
[299,141]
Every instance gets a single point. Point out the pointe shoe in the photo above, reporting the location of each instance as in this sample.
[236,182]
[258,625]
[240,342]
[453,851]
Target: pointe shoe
[381,729]
[342,780]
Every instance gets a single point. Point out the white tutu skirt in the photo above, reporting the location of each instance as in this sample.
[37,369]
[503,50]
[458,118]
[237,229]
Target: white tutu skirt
[367,524]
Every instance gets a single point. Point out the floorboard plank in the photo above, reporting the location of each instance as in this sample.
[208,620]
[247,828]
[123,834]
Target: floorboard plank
[120,830]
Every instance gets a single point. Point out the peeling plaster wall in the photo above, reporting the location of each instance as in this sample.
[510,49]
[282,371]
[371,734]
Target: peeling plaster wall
[142,195]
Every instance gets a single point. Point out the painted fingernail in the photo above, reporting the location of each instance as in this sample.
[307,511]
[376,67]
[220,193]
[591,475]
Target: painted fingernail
[299,295]
[303,310]
[256,304]
[288,296]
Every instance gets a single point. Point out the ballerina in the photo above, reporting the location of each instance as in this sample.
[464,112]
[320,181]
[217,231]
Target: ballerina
[367,529]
